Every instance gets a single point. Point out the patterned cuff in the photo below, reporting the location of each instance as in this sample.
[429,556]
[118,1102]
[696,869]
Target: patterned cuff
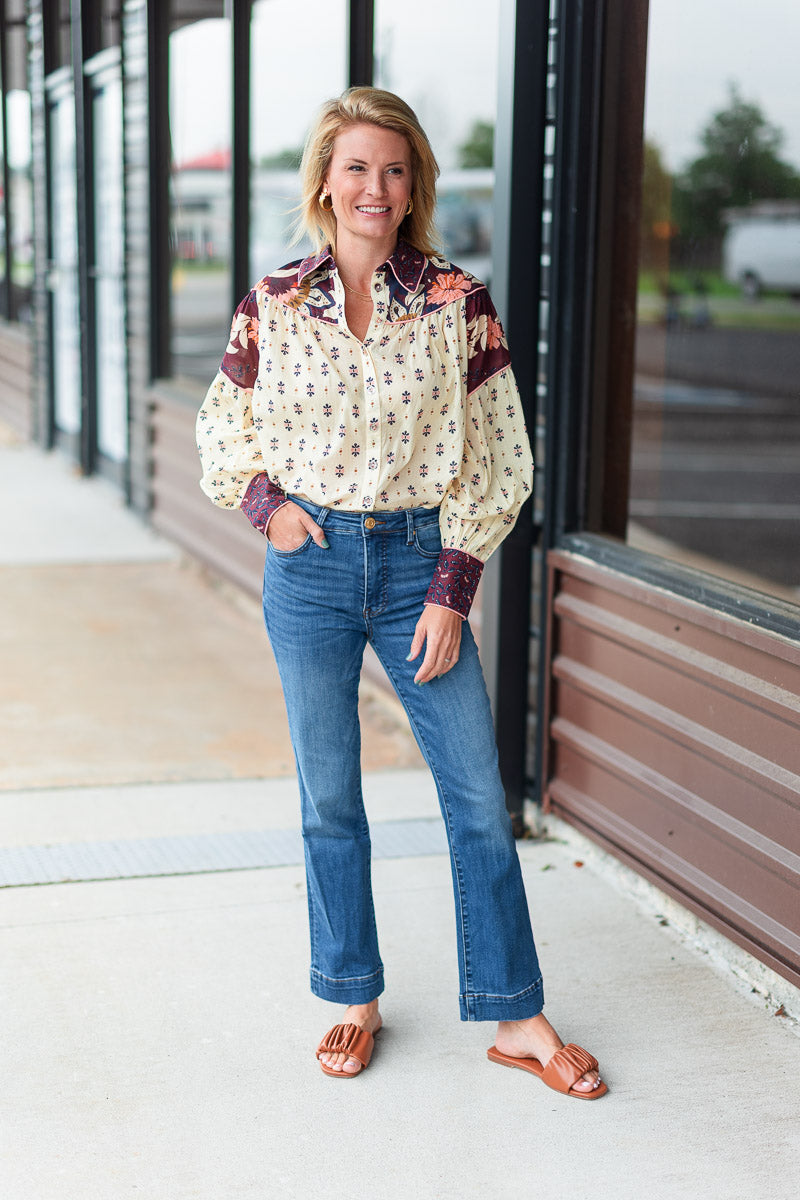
[455,581]
[261,500]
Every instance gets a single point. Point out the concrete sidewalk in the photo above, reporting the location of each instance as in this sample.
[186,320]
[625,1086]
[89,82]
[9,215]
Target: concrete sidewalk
[157,1025]
[122,661]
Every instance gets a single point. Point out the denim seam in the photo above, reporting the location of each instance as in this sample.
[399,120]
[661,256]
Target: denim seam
[383,576]
[368,838]
[347,978]
[312,924]
[384,569]
[462,905]
[433,555]
[365,594]
[532,987]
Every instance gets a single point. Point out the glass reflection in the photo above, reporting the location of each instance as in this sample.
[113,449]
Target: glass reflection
[456,102]
[63,274]
[281,113]
[716,432]
[20,201]
[112,414]
[2,221]
[200,192]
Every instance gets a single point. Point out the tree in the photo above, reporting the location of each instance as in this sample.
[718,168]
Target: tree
[284,159]
[740,164]
[478,149]
[657,227]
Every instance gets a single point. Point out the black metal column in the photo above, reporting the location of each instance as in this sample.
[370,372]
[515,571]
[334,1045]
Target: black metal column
[519,171]
[160,157]
[81,10]
[361,25]
[240,158]
[38,58]
[578,104]
[7,303]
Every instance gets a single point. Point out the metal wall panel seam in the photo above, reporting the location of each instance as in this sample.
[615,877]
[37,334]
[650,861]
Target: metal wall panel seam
[761,770]
[638,775]
[697,882]
[687,659]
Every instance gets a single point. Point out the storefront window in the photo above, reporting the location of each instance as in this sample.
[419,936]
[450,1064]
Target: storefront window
[442,59]
[109,20]
[3,264]
[16,206]
[281,113]
[20,201]
[715,461]
[200,190]
[65,346]
[57,25]
[109,247]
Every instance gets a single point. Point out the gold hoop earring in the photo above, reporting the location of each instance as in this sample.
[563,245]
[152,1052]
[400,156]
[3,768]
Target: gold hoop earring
[323,196]
[410,208]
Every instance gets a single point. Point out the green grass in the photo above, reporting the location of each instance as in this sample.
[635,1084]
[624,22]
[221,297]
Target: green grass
[729,309]
[650,283]
[782,322]
[200,267]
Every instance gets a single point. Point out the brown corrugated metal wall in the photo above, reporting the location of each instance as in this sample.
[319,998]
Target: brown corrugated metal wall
[16,381]
[223,539]
[675,742]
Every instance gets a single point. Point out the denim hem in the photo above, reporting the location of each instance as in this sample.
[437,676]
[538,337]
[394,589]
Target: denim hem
[477,1006]
[347,991]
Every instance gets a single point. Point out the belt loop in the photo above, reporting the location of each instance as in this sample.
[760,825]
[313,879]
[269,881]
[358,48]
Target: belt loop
[410,526]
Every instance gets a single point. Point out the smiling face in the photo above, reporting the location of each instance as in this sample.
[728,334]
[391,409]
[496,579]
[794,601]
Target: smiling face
[370,181]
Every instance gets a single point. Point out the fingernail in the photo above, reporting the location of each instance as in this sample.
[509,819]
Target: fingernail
[420,682]
[409,657]
[325,544]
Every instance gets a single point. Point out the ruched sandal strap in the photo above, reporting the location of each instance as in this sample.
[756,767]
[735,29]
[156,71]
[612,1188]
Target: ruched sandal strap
[348,1039]
[567,1066]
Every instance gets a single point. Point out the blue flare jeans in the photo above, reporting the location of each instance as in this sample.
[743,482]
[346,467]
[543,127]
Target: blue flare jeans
[321,607]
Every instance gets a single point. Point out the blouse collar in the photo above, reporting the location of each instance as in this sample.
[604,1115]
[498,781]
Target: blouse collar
[406,262]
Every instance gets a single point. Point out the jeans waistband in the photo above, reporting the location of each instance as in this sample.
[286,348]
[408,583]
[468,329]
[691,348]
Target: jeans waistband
[404,520]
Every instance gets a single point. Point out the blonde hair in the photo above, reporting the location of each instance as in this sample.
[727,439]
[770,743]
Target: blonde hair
[368,106]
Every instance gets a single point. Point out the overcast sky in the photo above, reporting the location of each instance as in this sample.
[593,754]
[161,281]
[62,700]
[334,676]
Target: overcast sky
[440,55]
[696,48]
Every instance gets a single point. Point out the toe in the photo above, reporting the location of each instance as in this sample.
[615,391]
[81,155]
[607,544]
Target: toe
[331,1061]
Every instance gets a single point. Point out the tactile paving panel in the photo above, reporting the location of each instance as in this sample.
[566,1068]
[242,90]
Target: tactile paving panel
[135,858]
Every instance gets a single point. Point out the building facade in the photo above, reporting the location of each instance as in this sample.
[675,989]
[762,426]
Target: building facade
[641,626]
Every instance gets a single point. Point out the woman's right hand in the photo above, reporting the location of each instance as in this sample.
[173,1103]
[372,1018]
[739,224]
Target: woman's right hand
[290,525]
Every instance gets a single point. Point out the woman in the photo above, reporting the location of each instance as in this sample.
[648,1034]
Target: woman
[366,419]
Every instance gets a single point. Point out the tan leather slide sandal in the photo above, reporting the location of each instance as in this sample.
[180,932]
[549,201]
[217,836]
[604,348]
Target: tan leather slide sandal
[351,1040]
[562,1071]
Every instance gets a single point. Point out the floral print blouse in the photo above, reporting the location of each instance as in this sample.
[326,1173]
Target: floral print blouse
[423,413]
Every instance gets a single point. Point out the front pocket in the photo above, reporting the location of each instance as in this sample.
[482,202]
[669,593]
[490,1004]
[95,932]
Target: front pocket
[428,539]
[290,553]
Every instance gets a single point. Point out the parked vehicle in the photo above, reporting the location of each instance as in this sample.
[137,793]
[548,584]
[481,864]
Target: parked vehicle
[763,254]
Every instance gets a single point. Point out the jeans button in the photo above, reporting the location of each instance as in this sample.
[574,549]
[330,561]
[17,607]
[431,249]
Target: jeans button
[369,523]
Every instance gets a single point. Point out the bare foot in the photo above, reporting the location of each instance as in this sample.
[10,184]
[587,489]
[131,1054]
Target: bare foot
[366,1016]
[536,1038]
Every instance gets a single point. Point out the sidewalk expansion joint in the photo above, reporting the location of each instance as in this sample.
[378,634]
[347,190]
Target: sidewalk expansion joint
[197,854]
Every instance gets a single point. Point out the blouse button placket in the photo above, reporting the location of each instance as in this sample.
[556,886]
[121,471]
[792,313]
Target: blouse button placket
[372,414]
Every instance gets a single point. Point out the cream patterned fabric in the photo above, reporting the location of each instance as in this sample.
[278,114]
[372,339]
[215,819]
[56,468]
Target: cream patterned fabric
[424,413]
